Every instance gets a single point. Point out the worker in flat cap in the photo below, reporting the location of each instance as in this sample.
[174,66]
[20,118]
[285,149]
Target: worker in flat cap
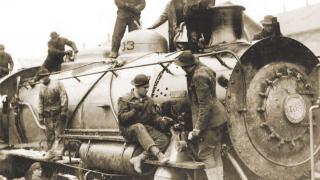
[56,51]
[140,122]
[53,108]
[208,113]
[6,63]
[271,28]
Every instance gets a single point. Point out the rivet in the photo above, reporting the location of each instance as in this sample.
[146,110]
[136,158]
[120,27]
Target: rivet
[268,82]
[279,74]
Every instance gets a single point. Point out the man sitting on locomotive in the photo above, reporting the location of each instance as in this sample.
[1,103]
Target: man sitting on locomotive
[139,122]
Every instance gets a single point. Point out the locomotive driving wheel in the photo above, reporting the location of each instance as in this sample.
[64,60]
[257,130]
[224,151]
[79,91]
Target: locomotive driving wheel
[273,120]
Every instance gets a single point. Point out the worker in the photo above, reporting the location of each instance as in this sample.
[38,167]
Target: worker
[56,51]
[53,108]
[271,28]
[6,63]
[208,114]
[174,14]
[198,19]
[139,122]
[128,15]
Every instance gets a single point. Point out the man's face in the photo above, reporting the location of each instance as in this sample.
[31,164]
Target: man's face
[54,37]
[268,28]
[45,79]
[142,90]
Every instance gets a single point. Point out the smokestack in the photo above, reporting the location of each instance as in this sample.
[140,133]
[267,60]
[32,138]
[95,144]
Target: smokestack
[227,24]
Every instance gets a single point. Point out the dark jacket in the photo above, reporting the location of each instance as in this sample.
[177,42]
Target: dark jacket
[127,115]
[5,61]
[56,51]
[128,8]
[53,98]
[263,34]
[174,15]
[207,111]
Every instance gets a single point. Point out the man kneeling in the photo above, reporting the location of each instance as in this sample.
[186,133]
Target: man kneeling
[138,121]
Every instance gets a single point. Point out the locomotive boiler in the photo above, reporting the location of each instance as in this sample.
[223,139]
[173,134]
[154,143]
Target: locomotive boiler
[267,87]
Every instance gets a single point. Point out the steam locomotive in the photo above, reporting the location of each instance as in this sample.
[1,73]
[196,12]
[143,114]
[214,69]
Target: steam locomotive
[266,86]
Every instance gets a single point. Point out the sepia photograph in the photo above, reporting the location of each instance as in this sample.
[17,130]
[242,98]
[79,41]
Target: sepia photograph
[159,90]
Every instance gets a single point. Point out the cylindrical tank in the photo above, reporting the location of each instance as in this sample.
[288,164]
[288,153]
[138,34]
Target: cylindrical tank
[111,156]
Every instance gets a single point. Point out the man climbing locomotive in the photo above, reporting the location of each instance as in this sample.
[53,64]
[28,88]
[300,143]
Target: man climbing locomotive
[56,51]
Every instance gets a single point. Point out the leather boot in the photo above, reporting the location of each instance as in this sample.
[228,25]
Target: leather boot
[137,160]
[113,55]
[160,156]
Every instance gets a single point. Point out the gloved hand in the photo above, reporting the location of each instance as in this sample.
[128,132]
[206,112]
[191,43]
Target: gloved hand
[193,134]
[76,51]
[137,106]
[69,52]
[165,123]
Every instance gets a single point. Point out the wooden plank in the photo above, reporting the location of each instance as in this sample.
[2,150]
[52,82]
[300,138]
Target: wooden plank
[93,137]
[93,130]
[191,165]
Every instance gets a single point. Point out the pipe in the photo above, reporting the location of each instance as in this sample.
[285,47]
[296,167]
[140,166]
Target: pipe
[311,139]
[317,106]
[238,168]
[36,119]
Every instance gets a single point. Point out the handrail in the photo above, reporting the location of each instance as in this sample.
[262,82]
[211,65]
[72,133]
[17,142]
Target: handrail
[35,117]
[311,139]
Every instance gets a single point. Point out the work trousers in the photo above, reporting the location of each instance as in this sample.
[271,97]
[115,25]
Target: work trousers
[209,152]
[54,127]
[147,136]
[120,28]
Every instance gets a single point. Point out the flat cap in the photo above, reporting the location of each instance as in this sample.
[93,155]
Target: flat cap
[186,58]
[140,80]
[43,72]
